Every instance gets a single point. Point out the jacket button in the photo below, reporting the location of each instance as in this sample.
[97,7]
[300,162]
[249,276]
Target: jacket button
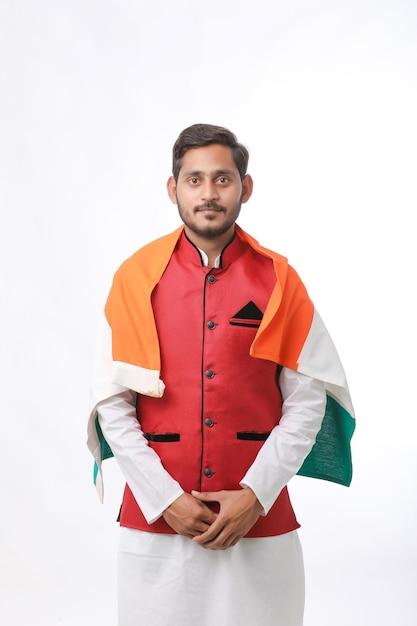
[211,325]
[208,472]
[209,422]
[209,373]
[211,278]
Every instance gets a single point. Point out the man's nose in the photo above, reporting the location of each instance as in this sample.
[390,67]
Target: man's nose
[209,191]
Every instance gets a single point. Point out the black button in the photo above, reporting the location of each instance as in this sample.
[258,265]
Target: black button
[211,278]
[209,422]
[211,325]
[209,373]
[208,472]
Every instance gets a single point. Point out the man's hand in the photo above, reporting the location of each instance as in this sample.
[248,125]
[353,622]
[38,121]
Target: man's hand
[189,516]
[239,510]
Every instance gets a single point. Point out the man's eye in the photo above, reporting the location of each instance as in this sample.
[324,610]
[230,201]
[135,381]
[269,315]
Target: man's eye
[193,181]
[223,180]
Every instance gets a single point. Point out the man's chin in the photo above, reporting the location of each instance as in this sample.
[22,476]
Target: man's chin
[211,232]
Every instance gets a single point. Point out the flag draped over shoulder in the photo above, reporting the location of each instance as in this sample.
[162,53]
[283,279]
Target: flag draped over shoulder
[291,334]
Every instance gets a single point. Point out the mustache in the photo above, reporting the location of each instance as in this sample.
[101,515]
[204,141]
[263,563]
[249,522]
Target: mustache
[209,205]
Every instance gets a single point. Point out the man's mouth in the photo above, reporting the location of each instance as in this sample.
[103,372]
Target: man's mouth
[209,207]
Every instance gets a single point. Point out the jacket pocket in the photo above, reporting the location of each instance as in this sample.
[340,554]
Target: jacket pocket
[248,323]
[252,435]
[162,437]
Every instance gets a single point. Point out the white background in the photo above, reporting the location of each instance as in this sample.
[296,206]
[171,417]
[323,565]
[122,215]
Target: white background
[93,93]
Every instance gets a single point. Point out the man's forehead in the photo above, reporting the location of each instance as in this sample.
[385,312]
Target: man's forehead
[212,158]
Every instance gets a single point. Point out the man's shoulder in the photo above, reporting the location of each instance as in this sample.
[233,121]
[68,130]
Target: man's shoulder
[255,245]
[153,253]
[286,273]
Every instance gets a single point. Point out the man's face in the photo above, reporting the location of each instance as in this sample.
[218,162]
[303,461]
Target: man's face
[209,192]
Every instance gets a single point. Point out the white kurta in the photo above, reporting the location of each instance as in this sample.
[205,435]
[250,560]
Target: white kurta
[166,580]
[170,580]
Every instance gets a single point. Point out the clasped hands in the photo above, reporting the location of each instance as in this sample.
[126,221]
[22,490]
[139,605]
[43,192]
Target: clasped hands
[190,516]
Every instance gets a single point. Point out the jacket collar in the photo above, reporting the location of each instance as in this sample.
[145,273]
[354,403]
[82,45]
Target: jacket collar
[230,253]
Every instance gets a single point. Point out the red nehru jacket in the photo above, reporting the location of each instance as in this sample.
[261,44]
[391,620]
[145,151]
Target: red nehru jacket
[220,404]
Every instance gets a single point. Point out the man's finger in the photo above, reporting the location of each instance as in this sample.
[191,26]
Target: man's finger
[207,496]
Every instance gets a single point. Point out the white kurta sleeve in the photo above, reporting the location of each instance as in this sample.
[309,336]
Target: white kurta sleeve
[152,486]
[283,453]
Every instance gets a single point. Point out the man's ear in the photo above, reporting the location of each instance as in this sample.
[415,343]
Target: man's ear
[247,187]
[172,189]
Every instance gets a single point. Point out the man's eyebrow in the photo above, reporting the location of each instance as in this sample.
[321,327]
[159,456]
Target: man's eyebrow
[225,172]
[215,173]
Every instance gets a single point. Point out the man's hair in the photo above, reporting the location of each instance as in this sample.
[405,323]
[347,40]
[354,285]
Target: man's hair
[200,135]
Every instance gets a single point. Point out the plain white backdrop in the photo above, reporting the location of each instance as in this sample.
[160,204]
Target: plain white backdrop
[93,93]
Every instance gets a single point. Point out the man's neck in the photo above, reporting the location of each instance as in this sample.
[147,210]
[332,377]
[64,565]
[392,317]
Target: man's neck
[211,247]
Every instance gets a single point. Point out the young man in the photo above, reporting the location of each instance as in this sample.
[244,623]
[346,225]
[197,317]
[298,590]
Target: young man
[215,377]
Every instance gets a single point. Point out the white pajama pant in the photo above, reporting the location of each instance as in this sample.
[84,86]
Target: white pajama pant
[167,580]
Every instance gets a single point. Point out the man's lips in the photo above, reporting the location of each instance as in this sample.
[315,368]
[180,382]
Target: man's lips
[209,208]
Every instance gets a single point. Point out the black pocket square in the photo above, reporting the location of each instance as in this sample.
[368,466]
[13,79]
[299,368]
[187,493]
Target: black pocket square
[249,315]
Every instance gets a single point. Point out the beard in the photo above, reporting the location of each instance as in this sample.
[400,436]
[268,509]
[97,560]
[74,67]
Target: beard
[209,229]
